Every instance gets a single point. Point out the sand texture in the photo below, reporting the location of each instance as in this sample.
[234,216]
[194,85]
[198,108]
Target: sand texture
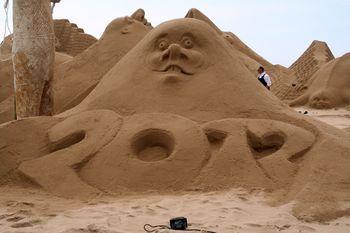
[28,211]
[174,116]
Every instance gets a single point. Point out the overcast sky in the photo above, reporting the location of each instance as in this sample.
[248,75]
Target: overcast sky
[278,30]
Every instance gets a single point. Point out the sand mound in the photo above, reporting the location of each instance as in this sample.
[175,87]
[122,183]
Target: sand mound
[174,71]
[329,87]
[74,80]
[180,111]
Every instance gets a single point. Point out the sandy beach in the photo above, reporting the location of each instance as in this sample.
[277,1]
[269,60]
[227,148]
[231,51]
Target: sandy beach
[339,118]
[236,211]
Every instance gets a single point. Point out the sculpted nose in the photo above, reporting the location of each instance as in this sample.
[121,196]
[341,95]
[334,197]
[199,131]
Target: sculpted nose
[173,52]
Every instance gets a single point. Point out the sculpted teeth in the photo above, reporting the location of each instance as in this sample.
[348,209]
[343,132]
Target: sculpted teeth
[174,68]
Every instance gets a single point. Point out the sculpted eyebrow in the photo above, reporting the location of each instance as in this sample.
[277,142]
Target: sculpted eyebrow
[188,34]
[162,35]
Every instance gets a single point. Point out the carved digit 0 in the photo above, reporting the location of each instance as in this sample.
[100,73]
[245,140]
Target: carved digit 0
[151,151]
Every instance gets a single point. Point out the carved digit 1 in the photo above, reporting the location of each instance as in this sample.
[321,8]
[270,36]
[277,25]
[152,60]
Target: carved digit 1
[290,143]
[254,152]
[232,163]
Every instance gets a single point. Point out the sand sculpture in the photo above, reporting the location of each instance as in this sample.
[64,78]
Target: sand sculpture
[171,116]
[151,71]
[314,57]
[249,58]
[6,84]
[280,75]
[74,80]
[329,87]
[71,39]
[78,76]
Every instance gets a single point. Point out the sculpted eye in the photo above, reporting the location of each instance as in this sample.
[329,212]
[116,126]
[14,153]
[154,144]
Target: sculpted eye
[163,44]
[187,42]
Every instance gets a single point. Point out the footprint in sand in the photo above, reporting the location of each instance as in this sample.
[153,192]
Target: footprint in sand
[90,229]
[24,212]
[113,221]
[19,204]
[161,207]
[15,219]
[5,216]
[253,225]
[150,211]
[306,228]
[135,207]
[26,224]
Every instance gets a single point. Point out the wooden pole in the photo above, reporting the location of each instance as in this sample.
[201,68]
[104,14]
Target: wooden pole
[33,54]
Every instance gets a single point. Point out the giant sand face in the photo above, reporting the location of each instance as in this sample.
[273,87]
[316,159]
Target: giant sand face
[180,111]
[182,67]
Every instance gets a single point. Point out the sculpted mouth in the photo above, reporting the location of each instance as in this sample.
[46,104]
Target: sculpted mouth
[174,69]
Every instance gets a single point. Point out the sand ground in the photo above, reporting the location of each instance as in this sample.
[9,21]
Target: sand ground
[339,117]
[24,210]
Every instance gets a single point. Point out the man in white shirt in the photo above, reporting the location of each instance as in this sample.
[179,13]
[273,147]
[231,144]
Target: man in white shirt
[264,78]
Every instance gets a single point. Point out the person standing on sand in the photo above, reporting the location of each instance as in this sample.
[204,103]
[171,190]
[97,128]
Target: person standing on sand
[264,78]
